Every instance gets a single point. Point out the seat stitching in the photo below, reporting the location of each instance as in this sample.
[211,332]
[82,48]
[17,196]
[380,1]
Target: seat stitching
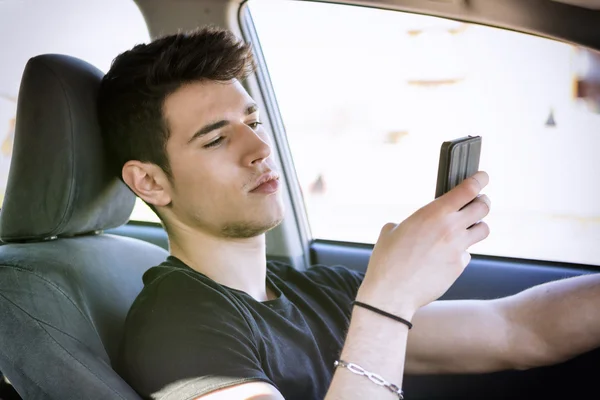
[60,291]
[79,362]
[41,325]
[28,377]
[69,209]
[46,323]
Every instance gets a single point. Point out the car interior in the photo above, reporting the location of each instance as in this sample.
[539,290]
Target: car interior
[72,256]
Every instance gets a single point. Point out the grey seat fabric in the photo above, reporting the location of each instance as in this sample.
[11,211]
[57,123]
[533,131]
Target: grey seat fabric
[65,287]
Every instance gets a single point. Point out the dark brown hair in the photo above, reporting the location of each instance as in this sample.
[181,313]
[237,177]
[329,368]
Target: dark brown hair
[132,93]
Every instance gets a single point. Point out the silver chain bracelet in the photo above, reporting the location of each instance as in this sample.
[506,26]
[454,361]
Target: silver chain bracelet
[376,379]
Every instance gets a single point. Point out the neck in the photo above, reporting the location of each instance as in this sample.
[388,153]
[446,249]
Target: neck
[237,263]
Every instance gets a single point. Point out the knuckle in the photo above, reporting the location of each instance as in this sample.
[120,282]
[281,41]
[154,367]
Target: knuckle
[473,187]
[458,257]
[485,229]
[465,258]
[388,227]
[486,201]
[447,231]
[483,207]
[481,231]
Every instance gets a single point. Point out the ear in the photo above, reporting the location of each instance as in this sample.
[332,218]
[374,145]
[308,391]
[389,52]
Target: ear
[148,181]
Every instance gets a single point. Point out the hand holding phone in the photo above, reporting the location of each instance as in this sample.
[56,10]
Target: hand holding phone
[459,160]
[416,261]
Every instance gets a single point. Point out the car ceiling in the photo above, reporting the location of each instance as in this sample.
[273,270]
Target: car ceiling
[591,4]
[551,18]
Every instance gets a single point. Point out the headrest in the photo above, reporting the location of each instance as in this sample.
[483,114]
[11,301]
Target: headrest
[59,182]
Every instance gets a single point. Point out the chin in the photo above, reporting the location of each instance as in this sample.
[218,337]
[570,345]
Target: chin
[249,229]
[255,222]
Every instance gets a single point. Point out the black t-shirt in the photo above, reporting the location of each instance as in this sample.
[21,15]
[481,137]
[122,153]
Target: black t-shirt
[187,335]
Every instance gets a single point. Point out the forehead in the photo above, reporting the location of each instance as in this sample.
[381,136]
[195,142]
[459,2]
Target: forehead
[196,104]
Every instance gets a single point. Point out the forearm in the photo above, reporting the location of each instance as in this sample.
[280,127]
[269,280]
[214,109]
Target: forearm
[559,320]
[377,344]
[459,337]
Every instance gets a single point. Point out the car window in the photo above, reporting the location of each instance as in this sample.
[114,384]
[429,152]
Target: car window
[367,97]
[93,30]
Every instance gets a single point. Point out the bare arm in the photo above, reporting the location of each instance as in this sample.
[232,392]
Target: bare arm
[246,391]
[459,336]
[543,325]
[559,319]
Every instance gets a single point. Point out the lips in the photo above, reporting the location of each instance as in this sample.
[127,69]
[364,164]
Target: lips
[267,183]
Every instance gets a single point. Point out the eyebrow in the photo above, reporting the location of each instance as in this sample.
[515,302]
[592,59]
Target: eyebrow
[206,129]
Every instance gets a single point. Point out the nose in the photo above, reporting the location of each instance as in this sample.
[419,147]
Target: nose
[256,147]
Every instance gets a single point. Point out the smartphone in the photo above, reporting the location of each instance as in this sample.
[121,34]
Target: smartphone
[459,159]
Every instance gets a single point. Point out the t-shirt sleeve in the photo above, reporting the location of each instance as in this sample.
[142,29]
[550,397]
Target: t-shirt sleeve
[182,343]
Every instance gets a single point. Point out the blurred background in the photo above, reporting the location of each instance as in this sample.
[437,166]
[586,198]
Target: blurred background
[367,101]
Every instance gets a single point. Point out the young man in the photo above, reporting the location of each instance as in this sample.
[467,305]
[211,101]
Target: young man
[215,321]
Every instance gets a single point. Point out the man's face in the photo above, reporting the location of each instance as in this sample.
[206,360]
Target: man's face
[219,153]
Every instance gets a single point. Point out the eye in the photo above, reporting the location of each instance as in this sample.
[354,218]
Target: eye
[254,125]
[214,143]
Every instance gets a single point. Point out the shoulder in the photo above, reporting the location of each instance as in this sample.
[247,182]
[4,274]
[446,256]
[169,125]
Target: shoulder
[185,350]
[179,318]
[173,295]
[174,281]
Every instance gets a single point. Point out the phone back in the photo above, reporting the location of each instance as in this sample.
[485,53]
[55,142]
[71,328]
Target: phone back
[459,159]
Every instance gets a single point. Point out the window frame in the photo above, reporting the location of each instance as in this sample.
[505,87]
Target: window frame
[510,18]
[292,238]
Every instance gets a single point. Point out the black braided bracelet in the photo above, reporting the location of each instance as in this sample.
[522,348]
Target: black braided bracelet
[381,312]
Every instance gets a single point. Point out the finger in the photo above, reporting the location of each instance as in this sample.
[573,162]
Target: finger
[475,211]
[476,233]
[466,191]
